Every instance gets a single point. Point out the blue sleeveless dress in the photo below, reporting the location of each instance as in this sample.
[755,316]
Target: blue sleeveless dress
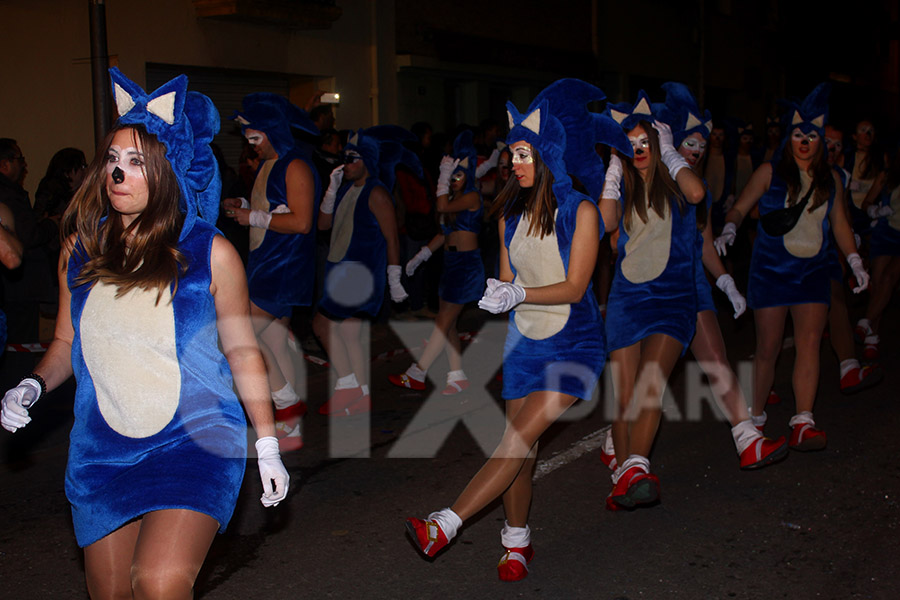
[157,425]
[281,267]
[462,279]
[886,233]
[560,347]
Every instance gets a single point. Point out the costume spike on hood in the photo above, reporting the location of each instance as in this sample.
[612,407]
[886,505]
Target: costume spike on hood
[682,114]
[382,149]
[810,114]
[274,115]
[185,122]
[545,134]
[629,115]
[464,150]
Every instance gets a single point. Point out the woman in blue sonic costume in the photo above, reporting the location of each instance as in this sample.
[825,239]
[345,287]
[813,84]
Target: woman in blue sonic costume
[148,290]
[653,300]
[791,261]
[555,347]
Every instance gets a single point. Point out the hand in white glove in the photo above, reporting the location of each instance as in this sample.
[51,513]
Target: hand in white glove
[398,294]
[613,181]
[729,232]
[446,168]
[885,211]
[275,478]
[482,169]
[16,402]
[872,211]
[857,240]
[337,176]
[862,277]
[727,285]
[670,157]
[420,257]
[501,296]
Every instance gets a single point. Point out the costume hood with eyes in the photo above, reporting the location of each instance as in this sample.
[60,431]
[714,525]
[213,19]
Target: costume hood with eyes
[464,150]
[628,115]
[681,113]
[557,348]
[810,114]
[382,150]
[185,122]
[155,411]
[274,115]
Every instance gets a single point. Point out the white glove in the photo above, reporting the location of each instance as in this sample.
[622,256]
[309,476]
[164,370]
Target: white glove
[260,218]
[612,183]
[337,176]
[501,296]
[857,240]
[448,165]
[245,204]
[670,157]
[872,211]
[13,407]
[420,257]
[729,232]
[856,265]
[398,294]
[482,169]
[275,478]
[885,210]
[726,284]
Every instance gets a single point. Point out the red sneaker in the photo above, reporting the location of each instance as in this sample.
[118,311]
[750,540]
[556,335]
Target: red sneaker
[513,565]
[805,437]
[346,402]
[633,488]
[861,331]
[405,381]
[289,438]
[870,350]
[763,452]
[455,387]
[428,535]
[861,378]
[773,398]
[292,414]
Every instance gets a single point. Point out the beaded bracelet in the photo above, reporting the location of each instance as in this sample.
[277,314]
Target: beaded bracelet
[40,381]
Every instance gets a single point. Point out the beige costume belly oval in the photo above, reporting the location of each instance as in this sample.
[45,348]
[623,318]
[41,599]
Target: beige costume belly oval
[259,201]
[538,263]
[342,226]
[805,239]
[648,246]
[129,350]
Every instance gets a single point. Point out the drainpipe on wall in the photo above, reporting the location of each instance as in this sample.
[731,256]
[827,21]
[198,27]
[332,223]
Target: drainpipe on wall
[99,70]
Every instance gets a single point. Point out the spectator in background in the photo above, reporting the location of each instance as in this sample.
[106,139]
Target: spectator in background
[63,176]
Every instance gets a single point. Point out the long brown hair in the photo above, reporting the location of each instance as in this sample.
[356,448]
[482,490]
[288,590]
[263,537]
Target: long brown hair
[143,255]
[658,186]
[538,200]
[822,177]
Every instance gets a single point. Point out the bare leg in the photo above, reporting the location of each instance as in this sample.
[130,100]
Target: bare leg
[839,323]
[517,497]
[351,332]
[708,348]
[443,323]
[659,353]
[809,321]
[275,336]
[107,563]
[769,333]
[539,410]
[327,332]
[885,274]
[261,321]
[624,363]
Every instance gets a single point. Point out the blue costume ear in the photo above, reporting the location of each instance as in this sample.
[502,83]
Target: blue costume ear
[185,123]
[682,114]
[629,115]
[274,115]
[464,150]
[382,150]
[811,114]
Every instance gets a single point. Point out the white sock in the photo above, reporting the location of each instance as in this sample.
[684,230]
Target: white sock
[872,339]
[515,537]
[745,434]
[848,365]
[365,390]
[285,397]
[456,376]
[864,323]
[448,521]
[635,460]
[759,420]
[414,372]
[608,446]
[347,382]
[802,417]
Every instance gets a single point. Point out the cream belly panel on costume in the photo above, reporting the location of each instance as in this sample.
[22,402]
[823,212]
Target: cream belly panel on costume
[129,350]
[894,219]
[259,201]
[538,263]
[648,246]
[342,229]
[805,239]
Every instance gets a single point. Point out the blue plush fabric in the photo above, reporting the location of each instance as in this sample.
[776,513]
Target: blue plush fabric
[681,113]
[274,115]
[462,279]
[197,460]
[777,277]
[382,150]
[572,360]
[464,150]
[666,304]
[281,271]
[346,293]
[466,220]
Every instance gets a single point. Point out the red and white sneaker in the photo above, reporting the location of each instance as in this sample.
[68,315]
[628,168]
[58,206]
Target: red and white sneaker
[513,565]
[870,349]
[862,330]
[428,535]
[634,487]
[861,378]
[288,427]
[346,402]
[455,387]
[805,438]
[405,381]
[608,450]
[763,452]
[773,397]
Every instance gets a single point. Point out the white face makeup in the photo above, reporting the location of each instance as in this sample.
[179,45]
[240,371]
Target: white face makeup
[522,155]
[458,176]
[799,136]
[834,145]
[254,138]
[129,160]
[640,142]
[694,145]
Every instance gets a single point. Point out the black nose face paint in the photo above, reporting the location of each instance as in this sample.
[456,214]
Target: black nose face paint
[118,175]
[637,152]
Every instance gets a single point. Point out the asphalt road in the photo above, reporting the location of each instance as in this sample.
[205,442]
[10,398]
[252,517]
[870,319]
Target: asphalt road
[817,525]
